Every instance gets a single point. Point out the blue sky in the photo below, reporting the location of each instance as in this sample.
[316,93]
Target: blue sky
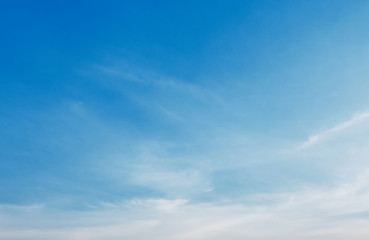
[184,119]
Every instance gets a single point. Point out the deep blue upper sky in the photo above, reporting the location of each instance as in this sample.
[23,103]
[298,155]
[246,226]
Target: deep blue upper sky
[109,100]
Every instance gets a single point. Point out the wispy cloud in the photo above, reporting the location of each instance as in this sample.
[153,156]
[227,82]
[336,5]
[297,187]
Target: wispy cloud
[306,214]
[355,120]
[185,182]
[171,115]
[125,72]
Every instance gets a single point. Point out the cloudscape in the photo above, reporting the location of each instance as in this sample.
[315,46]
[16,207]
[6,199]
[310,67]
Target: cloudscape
[184,120]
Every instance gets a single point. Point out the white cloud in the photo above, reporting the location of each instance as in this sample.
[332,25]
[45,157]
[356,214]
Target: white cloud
[337,213]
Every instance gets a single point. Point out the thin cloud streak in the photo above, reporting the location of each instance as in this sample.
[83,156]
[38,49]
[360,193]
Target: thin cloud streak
[357,119]
[124,72]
